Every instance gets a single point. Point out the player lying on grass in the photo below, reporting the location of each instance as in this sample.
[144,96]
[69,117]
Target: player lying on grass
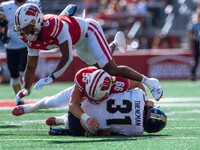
[61,99]
[121,113]
[95,85]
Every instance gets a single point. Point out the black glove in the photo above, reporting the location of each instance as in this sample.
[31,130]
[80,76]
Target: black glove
[4,38]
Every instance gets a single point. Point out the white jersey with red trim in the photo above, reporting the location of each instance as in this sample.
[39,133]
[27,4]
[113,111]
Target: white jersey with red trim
[120,84]
[8,9]
[121,113]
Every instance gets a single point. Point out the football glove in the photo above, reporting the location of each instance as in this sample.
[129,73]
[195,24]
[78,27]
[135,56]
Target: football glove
[43,82]
[21,94]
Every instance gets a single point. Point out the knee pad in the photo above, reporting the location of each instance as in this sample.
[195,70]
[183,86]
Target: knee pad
[15,81]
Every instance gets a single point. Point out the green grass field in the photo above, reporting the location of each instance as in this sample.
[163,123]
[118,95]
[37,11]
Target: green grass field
[181,103]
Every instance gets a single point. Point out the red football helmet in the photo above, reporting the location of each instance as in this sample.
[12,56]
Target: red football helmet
[28,21]
[98,85]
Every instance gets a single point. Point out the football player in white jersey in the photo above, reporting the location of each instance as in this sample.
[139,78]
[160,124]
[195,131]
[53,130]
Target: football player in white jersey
[121,113]
[44,32]
[16,49]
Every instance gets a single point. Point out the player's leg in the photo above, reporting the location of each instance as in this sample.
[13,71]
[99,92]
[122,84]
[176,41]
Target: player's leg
[98,48]
[119,42]
[62,120]
[60,100]
[126,72]
[13,61]
[56,121]
[195,60]
[82,48]
[22,62]
[59,131]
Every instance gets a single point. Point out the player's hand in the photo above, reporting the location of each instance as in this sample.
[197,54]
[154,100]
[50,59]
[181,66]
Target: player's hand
[43,82]
[149,103]
[93,123]
[21,94]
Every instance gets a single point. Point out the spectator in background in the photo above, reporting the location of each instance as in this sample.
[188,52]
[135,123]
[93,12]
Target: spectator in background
[4,73]
[194,37]
[160,42]
[16,49]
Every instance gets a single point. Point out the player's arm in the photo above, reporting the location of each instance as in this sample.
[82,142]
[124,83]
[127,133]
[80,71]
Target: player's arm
[65,45]
[75,102]
[65,60]
[149,103]
[76,110]
[136,84]
[29,74]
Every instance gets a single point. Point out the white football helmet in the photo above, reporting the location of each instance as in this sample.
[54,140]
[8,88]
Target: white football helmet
[98,85]
[28,21]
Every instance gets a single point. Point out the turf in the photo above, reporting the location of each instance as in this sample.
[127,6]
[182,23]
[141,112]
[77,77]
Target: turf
[181,133]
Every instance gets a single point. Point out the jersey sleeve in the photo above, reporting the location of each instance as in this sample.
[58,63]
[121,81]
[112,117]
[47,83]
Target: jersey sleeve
[120,85]
[64,34]
[56,26]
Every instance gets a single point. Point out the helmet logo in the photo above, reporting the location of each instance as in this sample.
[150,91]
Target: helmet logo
[106,84]
[32,11]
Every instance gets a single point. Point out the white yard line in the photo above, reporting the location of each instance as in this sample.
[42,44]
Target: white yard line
[179,105]
[192,111]
[180,99]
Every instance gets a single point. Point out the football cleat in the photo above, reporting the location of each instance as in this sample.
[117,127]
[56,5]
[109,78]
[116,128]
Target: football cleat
[20,103]
[120,40]
[59,131]
[155,88]
[55,121]
[17,111]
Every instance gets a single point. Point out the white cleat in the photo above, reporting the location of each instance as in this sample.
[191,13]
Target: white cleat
[55,121]
[155,88]
[120,40]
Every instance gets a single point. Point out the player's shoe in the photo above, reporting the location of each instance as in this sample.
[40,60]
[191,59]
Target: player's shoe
[55,121]
[120,40]
[18,110]
[20,102]
[59,131]
[155,88]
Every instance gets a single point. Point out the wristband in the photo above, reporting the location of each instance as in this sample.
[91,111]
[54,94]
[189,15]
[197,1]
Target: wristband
[52,76]
[84,117]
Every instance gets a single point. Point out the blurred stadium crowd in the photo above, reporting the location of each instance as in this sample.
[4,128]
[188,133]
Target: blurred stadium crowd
[147,24]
